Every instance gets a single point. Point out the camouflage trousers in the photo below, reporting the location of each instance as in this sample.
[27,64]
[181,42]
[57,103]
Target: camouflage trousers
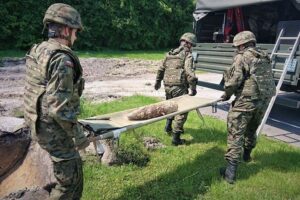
[67,164]
[243,119]
[179,120]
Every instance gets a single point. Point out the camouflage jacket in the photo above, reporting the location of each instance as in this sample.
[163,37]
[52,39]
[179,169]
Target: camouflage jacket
[250,75]
[53,86]
[178,68]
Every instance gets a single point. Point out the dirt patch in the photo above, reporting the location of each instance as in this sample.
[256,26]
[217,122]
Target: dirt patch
[152,143]
[106,79]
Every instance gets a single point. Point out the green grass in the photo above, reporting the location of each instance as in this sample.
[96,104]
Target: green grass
[147,54]
[189,171]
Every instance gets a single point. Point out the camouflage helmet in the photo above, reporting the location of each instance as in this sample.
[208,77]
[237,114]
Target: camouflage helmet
[243,38]
[189,37]
[63,14]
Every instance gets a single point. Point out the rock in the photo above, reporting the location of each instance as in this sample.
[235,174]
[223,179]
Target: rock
[28,194]
[152,143]
[110,152]
[10,124]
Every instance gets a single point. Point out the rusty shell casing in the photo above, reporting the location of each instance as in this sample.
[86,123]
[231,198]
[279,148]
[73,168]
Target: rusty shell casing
[153,111]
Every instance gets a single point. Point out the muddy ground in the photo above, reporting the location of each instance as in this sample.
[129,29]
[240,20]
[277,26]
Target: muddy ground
[106,79]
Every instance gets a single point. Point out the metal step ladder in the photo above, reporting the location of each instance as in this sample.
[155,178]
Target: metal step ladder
[289,59]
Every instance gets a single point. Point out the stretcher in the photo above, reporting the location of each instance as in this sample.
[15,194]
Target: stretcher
[113,124]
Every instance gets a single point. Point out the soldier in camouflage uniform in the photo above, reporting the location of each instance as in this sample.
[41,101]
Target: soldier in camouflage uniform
[53,88]
[250,80]
[178,75]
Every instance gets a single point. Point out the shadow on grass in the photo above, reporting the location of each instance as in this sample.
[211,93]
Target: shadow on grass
[206,135]
[133,155]
[193,179]
[282,161]
[279,160]
[188,181]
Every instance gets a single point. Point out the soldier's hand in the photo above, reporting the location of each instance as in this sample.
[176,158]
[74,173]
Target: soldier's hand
[225,97]
[193,92]
[157,85]
[82,143]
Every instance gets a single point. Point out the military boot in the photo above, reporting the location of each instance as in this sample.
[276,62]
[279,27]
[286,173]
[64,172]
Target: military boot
[110,152]
[247,155]
[229,172]
[176,139]
[168,127]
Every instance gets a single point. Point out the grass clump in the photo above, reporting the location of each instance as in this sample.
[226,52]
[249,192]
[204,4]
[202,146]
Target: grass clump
[133,152]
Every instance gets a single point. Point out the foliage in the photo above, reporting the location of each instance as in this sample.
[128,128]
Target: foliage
[11,53]
[189,171]
[120,24]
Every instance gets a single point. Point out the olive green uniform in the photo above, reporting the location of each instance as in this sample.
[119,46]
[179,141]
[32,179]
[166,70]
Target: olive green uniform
[178,75]
[250,80]
[53,88]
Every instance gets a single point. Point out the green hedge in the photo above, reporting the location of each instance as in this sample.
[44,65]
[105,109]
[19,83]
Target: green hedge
[119,24]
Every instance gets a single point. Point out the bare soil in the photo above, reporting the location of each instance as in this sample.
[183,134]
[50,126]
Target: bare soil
[106,79]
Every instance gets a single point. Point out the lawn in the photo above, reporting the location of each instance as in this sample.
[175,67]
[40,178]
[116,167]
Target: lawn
[107,53]
[189,171]
[146,55]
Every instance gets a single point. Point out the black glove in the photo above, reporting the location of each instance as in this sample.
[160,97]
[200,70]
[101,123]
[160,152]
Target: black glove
[193,92]
[157,85]
[225,97]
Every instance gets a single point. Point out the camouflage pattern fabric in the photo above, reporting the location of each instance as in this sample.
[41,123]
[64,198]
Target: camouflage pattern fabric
[189,37]
[178,79]
[63,14]
[178,69]
[243,37]
[250,79]
[53,88]
[179,120]
[70,178]
[56,141]
[53,81]
[242,121]
[250,75]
